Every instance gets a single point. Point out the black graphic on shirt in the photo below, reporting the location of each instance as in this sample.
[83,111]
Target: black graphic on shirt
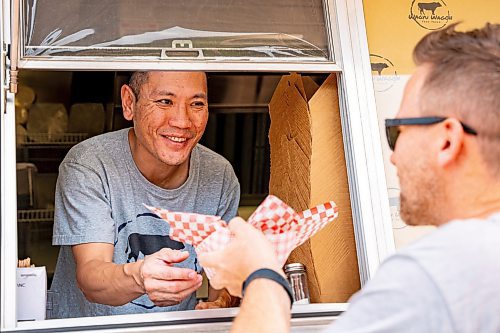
[123,225]
[149,244]
[146,244]
[149,307]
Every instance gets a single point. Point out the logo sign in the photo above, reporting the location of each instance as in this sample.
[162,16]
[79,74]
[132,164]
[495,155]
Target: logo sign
[383,72]
[430,15]
[397,222]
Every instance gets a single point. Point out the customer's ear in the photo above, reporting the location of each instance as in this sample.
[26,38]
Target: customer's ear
[128,102]
[452,142]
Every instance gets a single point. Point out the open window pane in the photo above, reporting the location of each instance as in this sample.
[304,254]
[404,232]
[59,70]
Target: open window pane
[291,30]
[57,109]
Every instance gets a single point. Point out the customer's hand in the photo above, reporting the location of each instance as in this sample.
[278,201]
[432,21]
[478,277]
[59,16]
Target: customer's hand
[165,284]
[247,252]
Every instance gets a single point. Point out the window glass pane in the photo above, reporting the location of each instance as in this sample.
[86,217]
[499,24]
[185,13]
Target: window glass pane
[191,29]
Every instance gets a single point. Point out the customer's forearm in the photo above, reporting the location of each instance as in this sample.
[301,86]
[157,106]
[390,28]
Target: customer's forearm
[265,308]
[109,283]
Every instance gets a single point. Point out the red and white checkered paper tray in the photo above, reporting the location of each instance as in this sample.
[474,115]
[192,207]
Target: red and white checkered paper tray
[281,225]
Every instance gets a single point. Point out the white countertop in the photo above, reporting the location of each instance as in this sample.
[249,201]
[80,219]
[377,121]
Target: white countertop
[305,318]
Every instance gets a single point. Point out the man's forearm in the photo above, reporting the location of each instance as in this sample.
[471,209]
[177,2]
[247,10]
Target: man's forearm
[265,308]
[109,283]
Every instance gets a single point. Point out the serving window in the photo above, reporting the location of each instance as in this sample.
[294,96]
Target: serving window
[78,105]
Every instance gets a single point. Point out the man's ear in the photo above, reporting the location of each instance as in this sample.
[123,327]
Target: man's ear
[128,102]
[452,142]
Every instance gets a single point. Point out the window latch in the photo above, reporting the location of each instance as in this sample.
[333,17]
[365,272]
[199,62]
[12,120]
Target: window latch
[181,48]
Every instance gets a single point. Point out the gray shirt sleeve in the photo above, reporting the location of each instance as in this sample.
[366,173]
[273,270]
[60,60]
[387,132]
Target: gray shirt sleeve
[401,297]
[230,200]
[82,208]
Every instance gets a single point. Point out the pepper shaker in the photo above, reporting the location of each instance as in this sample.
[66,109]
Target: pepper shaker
[296,275]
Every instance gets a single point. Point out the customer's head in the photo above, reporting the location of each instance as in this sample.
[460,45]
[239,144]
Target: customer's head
[169,111]
[457,78]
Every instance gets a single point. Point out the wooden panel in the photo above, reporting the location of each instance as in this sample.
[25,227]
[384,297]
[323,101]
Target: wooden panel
[290,140]
[333,248]
[308,168]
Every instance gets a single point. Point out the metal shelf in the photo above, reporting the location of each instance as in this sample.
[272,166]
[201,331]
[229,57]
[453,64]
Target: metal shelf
[46,139]
[35,215]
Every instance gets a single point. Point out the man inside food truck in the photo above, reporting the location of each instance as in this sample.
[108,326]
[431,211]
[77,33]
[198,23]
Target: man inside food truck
[116,256]
[446,147]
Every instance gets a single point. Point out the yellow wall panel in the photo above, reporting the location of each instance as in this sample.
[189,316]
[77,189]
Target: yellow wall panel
[393,29]
[395,26]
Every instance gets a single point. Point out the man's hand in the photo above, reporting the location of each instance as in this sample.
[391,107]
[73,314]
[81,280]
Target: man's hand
[105,282]
[247,252]
[165,284]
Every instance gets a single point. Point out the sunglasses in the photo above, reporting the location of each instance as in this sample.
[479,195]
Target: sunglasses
[392,129]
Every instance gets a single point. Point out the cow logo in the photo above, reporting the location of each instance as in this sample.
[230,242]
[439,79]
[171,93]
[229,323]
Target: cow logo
[149,244]
[383,72]
[430,15]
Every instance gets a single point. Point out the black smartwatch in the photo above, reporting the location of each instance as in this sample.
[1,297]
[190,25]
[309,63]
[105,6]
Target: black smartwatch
[266,273]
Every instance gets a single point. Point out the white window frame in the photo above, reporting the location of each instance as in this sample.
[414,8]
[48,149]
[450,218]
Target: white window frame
[8,206]
[363,150]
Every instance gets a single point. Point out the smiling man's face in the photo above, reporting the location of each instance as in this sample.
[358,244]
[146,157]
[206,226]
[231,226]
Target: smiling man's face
[170,114]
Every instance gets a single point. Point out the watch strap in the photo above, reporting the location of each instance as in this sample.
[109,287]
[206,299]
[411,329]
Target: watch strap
[266,273]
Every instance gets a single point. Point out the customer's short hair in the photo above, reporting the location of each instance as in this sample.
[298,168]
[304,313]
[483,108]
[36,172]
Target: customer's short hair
[137,80]
[464,81]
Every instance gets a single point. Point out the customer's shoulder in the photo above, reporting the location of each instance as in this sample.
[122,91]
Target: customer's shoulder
[472,229]
[101,146]
[458,239]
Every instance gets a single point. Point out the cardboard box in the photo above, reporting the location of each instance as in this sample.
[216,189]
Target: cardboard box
[308,168]
[31,293]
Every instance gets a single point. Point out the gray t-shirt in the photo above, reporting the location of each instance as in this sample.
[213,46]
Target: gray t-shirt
[449,281]
[99,198]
